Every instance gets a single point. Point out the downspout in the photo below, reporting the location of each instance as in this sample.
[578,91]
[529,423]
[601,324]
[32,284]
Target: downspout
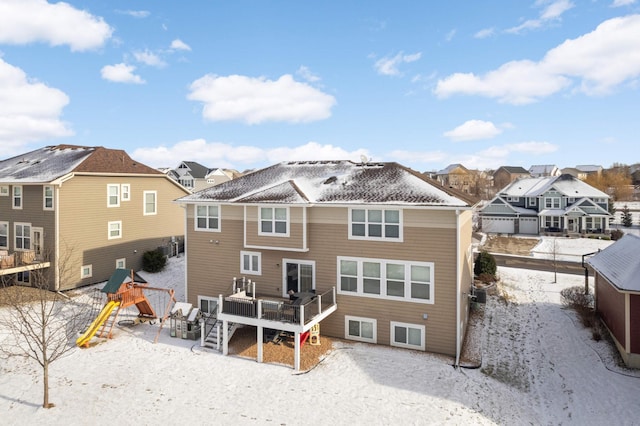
[57,239]
[458,292]
[186,231]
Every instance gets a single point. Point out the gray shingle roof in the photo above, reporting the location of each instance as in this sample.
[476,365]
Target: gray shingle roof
[330,182]
[566,184]
[620,263]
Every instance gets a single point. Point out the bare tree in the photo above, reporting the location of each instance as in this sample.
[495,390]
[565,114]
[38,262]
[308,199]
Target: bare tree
[43,324]
[554,253]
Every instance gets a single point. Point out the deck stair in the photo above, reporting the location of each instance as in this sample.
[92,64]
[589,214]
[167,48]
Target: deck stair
[213,340]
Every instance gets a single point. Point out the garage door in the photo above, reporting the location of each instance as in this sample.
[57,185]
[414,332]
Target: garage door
[528,225]
[498,225]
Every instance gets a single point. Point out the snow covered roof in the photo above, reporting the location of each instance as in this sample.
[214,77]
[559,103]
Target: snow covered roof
[542,169]
[565,184]
[332,182]
[51,162]
[619,263]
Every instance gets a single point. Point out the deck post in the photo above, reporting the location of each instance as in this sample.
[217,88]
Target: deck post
[259,342]
[225,339]
[296,353]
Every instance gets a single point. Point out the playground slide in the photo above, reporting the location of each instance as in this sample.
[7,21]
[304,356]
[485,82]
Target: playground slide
[95,325]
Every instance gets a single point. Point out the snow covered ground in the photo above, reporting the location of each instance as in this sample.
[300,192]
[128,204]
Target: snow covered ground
[539,366]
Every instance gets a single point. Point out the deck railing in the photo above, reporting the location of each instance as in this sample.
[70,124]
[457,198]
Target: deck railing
[277,310]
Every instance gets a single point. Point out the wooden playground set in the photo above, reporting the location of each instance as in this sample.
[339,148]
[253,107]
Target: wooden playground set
[125,289]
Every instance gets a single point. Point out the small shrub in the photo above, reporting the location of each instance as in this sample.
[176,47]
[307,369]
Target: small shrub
[485,264]
[616,234]
[574,297]
[153,261]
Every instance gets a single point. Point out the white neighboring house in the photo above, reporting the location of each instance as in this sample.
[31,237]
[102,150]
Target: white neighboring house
[542,170]
[547,205]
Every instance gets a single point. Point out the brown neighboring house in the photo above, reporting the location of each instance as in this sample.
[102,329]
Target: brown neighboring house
[458,177]
[80,212]
[617,294]
[504,175]
[373,252]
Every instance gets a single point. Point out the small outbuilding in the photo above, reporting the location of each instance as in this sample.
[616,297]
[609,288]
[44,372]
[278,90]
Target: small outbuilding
[617,294]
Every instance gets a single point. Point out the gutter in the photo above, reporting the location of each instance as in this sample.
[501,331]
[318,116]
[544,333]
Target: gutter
[458,292]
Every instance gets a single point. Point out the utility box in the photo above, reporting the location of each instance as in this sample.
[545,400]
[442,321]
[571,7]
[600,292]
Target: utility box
[185,321]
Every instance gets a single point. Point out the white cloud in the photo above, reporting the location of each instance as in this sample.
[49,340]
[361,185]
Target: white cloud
[307,75]
[258,100]
[178,44]
[551,13]
[135,13]
[449,36]
[600,60]
[29,21]
[149,58]
[484,33]
[619,3]
[389,66]
[121,73]
[473,130]
[29,110]
[216,154]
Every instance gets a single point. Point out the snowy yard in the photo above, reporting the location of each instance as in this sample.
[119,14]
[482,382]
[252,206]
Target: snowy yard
[539,366]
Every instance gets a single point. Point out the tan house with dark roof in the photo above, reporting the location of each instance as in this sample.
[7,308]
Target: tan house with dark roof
[81,212]
[370,252]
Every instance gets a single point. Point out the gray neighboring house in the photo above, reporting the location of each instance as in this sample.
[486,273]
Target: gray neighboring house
[542,170]
[547,205]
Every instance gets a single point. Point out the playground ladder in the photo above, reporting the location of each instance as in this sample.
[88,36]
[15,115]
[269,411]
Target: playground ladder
[109,323]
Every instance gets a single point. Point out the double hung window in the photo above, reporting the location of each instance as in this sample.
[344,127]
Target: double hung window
[375,224]
[207,218]
[274,221]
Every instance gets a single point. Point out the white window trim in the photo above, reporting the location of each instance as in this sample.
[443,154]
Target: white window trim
[251,254]
[15,236]
[125,195]
[347,336]
[4,191]
[392,334]
[195,218]
[123,261]
[155,203]
[119,222]
[89,273]
[533,201]
[7,225]
[383,238]
[14,197]
[44,198]
[552,202]
[213,300]
[513,199]
[117,187]
[383,262]
[273,222]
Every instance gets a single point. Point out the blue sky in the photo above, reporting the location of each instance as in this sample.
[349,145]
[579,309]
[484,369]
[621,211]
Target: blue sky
[246,84]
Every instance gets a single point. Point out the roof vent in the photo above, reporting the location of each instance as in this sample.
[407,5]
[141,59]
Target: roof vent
[330,180]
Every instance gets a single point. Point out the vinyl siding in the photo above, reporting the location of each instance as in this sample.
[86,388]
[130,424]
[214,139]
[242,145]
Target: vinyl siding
[610,304]
[84,218]
[429,236]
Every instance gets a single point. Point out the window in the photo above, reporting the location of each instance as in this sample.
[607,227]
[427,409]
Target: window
[513,199]
[361,329]
[407,335]
[125,192]
[23,277]
[4,235]
[552,221]
[552,202]
[207,218]
[113,195]
[375,224]
[186,182]
[591,223]
[121,263]
[208,305]
[392,280]
[250,262]
[17,197]
[47,203]
[22,234]
[150,203]
[4,191]
[86,271]
[571,200]
[533,201]
[115,229]
[273,221]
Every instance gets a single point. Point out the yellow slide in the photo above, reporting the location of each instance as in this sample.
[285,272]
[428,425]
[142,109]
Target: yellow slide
[95,325]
